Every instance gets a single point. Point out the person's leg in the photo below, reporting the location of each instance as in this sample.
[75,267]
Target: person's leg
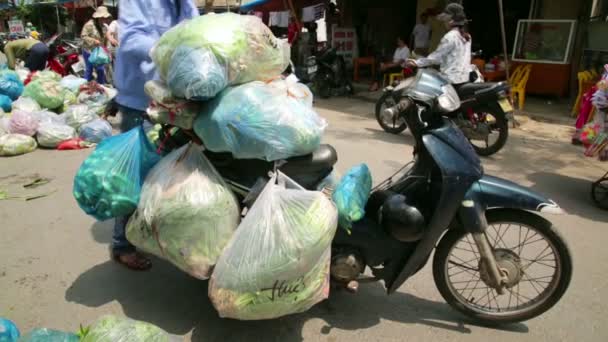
[37,57]
[101,74]
[88,70]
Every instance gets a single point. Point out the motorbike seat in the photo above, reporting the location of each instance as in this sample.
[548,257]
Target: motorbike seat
[324,158]
[469,90]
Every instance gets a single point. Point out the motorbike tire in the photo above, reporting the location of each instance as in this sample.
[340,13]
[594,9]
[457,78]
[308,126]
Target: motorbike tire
[502,124]
[540,225]
[394,129]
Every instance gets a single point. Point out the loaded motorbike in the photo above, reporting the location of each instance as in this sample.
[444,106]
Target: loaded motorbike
[331,78]
[63,57]
[483,115]
[496,258]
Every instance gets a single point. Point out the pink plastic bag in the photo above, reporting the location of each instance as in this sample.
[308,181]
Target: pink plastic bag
[23,123]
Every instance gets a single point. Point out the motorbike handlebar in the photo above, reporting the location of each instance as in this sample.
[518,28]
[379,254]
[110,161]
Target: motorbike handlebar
[405,106]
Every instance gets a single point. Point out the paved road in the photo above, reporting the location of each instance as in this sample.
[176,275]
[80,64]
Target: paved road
[55,272]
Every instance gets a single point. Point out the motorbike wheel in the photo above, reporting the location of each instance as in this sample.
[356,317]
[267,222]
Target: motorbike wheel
[461,277]
[394,126]
[500,126]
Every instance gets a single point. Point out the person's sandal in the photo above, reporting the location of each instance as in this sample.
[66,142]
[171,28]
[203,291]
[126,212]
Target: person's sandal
[132,260]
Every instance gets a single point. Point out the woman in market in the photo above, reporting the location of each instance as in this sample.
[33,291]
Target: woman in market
[402,53]
[140,28]
[92,37]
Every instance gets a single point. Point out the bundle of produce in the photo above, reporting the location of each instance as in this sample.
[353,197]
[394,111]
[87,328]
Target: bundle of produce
[109,181]
[78,115]
[95,131]
[51,134]
[94,96]
[48,116]
[46,75]
[23,123]
[255,121]
[69,98]
[16,144]
[351,195]
[166,109]
[291,87]
[26,104]
[277,262]
[8,331]
[49,335]
[242,45]
[47,92]
[186,213]
[118,329]
[10,84]
[72,83]
[6,104]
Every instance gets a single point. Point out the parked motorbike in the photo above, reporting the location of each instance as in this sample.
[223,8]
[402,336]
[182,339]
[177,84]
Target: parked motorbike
[483,115]
[63,57]
[331,78]
[496,259]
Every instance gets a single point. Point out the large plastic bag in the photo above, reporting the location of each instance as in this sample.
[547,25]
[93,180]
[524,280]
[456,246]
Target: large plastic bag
[242,44]
[49,335]
[72,83]
[10,84]
[109,181]
[47,92]
[196,74]
[6,104]
[16,144]
[8,331]
[277,262]
[96,130]
[95,96]
[167,109]
[23,123]
[117,329]
[26,104]
[51,134]
[48,116]
[78,115]
[351,195]
[46,75]
[254,120]
[23,73]
[160,93]
[186,213]
[295,89]
[99,56]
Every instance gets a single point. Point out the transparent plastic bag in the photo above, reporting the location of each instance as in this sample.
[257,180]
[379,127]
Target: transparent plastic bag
[294,89]
[186,213]
[99,56]
[47,92]
[23,73]
[94,96]
[159,92]
[26,104]
[351,195]
[51,134]
[8,331]
[277,262]
[23,123]
[167,109]
[95,131]
[108,183]
[72,83]
[46,75]
[330,182]
[49,335]
[48,116]
[243,45]
[255,121]
[111,328]
[10,84]
[6,104]
[195,74]
[16,144]
[78,115]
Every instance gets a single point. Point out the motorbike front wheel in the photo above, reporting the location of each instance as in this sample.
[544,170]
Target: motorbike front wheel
[496,136]
[394,125]
[528,250]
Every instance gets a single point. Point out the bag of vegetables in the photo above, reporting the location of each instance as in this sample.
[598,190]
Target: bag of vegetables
[351,195]
[277,262]
[23,123]
[78,115]
[10,84]
[95,96]
[96,130]
[26,104]
[46,75]
[111,328]
[51,134]
[255,121]
[16,144]
[186,213]
[109,181]
[294,89]
[49,335]
[6,104]
[167,109]
[47,92]
[72,83]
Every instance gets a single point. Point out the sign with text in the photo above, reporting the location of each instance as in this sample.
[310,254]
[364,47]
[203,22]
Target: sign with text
[344,40]
[16,26]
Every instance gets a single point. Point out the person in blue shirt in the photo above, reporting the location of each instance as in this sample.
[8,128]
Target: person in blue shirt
[141,23]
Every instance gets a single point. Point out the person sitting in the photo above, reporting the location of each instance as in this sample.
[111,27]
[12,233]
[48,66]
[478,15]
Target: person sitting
[402,54]
[32,51]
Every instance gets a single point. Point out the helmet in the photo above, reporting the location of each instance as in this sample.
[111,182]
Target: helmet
[403,221]
[35,35]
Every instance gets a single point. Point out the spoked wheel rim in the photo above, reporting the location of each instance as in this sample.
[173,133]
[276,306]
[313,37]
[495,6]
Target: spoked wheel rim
[525,255]
[489,140]
[390,121]
[599,191]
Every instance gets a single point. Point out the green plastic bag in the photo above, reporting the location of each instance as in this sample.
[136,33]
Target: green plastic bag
[46,75]
[117,329]
[48,93]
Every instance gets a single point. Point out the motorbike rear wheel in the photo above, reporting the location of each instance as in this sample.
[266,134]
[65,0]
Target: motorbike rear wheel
[498,124]
[394,125]
[462,278]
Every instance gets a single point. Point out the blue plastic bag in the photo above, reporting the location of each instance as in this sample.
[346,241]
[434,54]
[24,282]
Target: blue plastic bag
[10,84]
[195,74]
[6,103]
[49,335]
[108,183]
[351,195]
[72,83]
[8,331]
[99,56]
[95,131]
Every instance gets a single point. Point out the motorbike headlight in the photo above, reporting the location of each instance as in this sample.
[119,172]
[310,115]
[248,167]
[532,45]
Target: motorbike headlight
[449,100]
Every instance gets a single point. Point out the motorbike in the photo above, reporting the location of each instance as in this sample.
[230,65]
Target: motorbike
[64,57]
[483,115]
[496,258]
[330,78]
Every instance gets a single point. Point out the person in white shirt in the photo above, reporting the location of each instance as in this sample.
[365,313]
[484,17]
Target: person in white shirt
[112,34]
[421,36]
[401,55]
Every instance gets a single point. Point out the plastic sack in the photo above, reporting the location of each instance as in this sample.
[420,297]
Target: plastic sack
[48,93]
[291,87]
[277,262]
[159,92]
[352,193]
[243,45]
[99,56]
[117,329]
[95,131]
[48,116]
[51,134]
[78,115]
[195,74]
[6,103]
[49,335]
[26,104]
[186,213]
[69,98]
[8,331]
[23,123]
[23,73]
[10,84]
[109,181]
[72,83]
[16,144]
[46,75]
[167,109]
[330,182]
[94,96]
[253,121]
[74,144]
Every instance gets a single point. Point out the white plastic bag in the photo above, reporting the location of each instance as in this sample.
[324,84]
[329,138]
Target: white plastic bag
[167,109]
[78,115]
[48,116]
[277,262]
[186,213]
[26,104]
[72,83]
[51,133]
[15,144]
[292,88]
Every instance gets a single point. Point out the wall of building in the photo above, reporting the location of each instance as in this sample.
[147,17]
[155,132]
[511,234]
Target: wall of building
[560,9]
